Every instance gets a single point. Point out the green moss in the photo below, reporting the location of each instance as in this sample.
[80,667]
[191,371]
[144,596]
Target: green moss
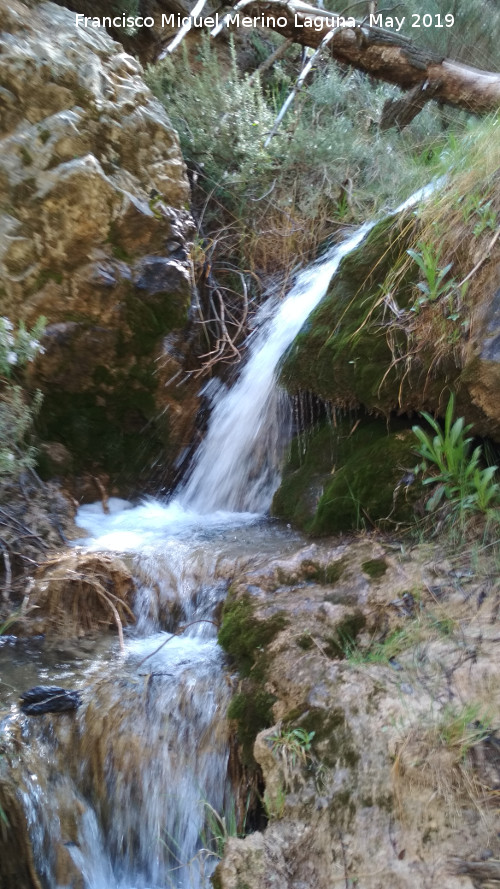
[25,156]
[343,352]
[252,711]
[304,477]
[367,489]
[149,318]
[215,879]
[102,375]
[44,136]
[44,277]
[375,568]
[244,636]
[345,634]
[332,735]
[120,253]
[106,428]
[348,480]
[328,575]
[305,641]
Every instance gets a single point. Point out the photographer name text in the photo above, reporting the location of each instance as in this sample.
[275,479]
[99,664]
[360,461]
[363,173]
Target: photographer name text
[314,22]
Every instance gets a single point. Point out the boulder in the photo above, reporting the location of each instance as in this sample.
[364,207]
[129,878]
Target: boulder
[95,235]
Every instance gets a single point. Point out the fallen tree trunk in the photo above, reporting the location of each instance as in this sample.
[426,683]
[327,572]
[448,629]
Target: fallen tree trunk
[384,54]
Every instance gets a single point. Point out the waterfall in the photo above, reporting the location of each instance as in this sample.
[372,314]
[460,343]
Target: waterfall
[237,466]
[121,789]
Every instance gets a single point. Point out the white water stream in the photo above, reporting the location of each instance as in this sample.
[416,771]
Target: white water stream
[150,829]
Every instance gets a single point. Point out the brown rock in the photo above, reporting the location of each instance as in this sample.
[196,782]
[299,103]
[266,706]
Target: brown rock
[83,146]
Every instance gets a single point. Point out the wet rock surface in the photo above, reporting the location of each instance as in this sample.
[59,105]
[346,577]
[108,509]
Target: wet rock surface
[357,350]
[49,699]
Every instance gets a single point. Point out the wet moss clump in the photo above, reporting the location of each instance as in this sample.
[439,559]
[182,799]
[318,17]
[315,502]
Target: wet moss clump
[244,636]
[107,429]
[349,480]
[252,711]
[354,349]
[327,575]
[332,735]
[375,568]
[342,352]
[305,642]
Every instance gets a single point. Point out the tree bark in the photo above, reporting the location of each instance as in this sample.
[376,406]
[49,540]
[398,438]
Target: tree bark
[384,54]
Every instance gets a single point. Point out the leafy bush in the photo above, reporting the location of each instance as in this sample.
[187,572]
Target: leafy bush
[328,162]
[453,469]
[17,455]
[18,347]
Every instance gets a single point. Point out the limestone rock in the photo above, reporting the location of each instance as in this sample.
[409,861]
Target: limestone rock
[94,232]
[380,799]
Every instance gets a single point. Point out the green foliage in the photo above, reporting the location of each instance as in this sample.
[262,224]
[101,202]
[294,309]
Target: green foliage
[434,284]
[10,621]
[292,744]
[268,206]
[453,468]
[462,728]
[19,346]
[17,455]
[219,828]
[274,802]
[487,218]
[384,651]
[221,117]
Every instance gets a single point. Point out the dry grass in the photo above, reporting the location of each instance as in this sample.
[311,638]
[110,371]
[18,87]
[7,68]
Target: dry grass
[460,224]
[77,593]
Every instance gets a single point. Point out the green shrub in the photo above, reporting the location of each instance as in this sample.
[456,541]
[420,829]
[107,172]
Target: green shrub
[17,455]
[18,347]
[453,469]
[268,207]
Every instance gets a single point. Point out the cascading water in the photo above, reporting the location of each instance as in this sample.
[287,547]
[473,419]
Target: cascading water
[237,465]
[149,745]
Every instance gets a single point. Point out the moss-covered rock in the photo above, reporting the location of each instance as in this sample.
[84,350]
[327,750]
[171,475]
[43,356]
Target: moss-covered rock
[244,635]
[346,481]
[342,352]
[353,349]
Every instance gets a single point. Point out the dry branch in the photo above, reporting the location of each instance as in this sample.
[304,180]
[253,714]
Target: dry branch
[381,53]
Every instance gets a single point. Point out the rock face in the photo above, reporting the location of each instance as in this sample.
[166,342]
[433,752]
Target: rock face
[351,651]
[386,341]
[95,232]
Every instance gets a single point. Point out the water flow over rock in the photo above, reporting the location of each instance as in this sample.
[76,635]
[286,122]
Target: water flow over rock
[115,796]
[237,466]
